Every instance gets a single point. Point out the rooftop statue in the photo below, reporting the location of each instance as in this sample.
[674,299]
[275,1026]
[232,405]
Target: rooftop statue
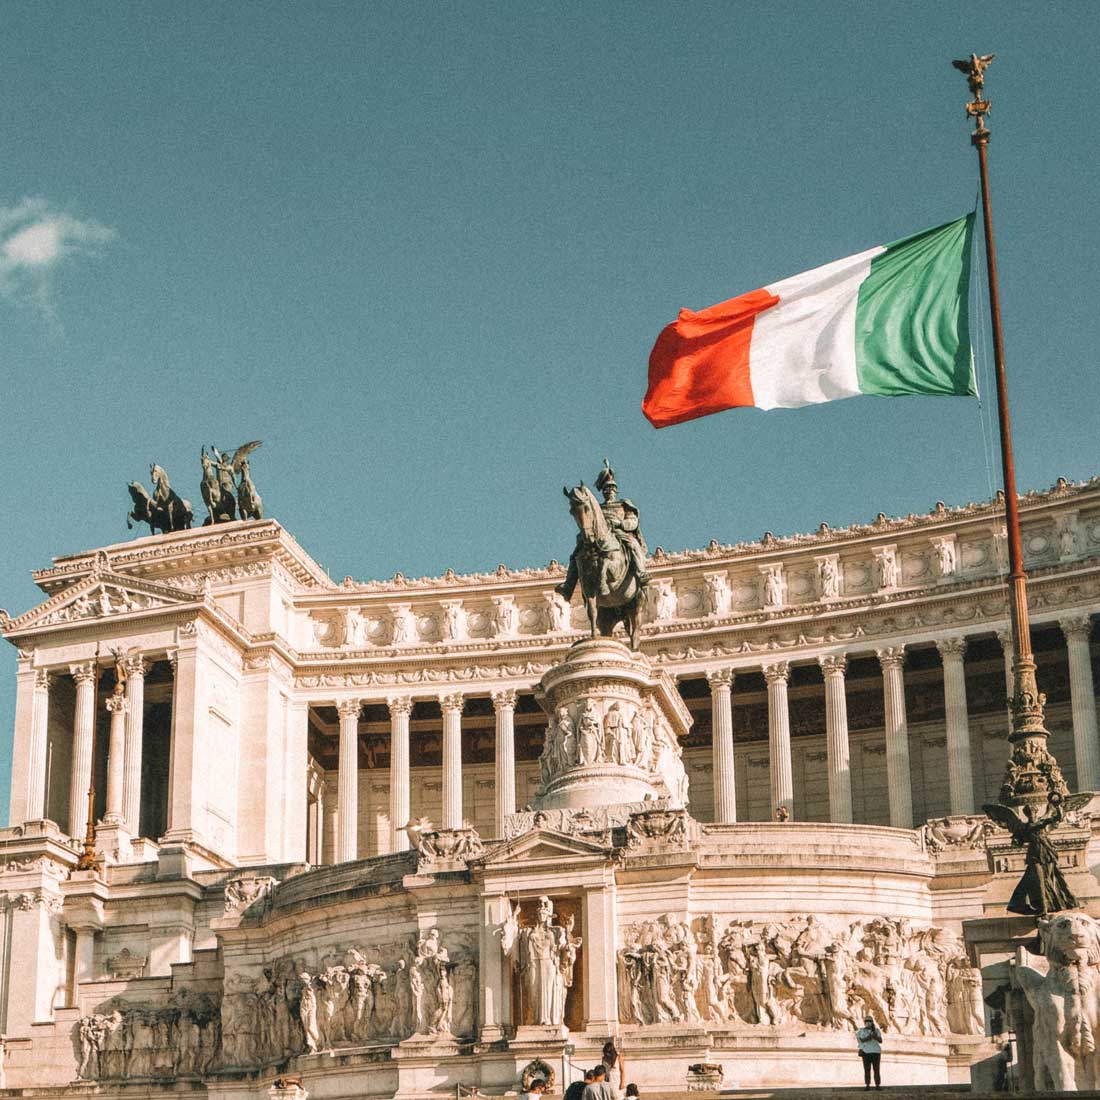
[164,511]
[609,559]
[223,497]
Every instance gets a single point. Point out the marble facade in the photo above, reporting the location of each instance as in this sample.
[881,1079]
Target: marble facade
[328,811]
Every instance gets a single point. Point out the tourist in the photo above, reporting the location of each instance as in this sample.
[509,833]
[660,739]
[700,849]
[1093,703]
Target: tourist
[616,1067]
[632,1092]
[536,1089]
[599,1089]
[576,1089]
[870,1051]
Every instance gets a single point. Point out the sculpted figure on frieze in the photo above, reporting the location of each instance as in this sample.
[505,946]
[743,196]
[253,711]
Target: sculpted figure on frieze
[802,972]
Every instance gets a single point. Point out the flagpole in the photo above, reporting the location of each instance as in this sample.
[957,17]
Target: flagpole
[1033,774]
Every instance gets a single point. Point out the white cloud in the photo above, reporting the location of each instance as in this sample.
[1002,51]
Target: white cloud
[35,239]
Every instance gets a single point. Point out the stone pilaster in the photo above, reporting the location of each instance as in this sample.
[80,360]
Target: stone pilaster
[347,840]
[959,778]
[721,734]
[504,707]
[779,735]
[602,988]
[898,779]
[1076,628]
[83,728]
[1004,636]
[452,760]
[836,737]
[36,762]
[494,985]
[400,709]
[116,759]
[134,669]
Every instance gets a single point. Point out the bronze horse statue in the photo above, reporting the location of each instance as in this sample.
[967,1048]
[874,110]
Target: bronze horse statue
[164,511]
[597,544]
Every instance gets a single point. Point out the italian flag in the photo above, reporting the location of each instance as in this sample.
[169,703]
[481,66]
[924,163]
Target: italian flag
[888,321]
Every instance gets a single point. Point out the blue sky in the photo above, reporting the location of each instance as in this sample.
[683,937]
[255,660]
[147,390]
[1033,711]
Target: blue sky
[422,251]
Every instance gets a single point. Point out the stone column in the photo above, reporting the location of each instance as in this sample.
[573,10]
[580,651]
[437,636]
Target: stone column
[959,779]
[452,760]
[779,735]
[400,709]
[1082,701]
[83,728]
[836,738]
[1004,636]
[116,759]
[134,668]
[504,705]
[36,762]
[898,779]
[347,840]
[721,736]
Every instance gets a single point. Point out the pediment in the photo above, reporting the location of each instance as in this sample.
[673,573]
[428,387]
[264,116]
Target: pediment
[101,594]
[540,845]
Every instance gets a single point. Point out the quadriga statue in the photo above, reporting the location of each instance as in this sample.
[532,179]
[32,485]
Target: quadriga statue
[1065,1003]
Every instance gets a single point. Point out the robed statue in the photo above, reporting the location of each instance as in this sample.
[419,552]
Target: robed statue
[544,955]
[1043,888]
[609,559]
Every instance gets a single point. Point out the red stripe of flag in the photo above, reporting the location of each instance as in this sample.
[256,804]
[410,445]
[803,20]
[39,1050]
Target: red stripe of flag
[700,363]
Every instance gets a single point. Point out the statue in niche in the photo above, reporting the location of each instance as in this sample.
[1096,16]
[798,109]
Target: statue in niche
[557,612]
[773,586]
[665,601]
[828,578]
[618,746]
[590,737]
[1042,889]
[886,567]
[945,555]
[544,955]
[433,966]
[609,559]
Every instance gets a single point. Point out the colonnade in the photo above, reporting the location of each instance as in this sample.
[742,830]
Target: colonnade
[124,766]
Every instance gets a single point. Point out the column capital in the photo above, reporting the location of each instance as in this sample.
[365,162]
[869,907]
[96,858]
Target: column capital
[892,656]
[133,666]
[1076,626]
[505,699]
[720,678]
[399,704]
[777,671]
[349,708]
[951,648]
[1004,636]
[833,664]
[83,673]
[42,679]
[452,702]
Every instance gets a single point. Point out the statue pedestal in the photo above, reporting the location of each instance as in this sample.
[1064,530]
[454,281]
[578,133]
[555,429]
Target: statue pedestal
[541,1034]
[613,736]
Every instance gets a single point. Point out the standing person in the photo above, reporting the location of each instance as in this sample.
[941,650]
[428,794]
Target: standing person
[576,1089]
[616,1068]
[599,1089]
[870,1051]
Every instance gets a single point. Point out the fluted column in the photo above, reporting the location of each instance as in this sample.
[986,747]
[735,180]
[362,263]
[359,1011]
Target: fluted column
[116,758]
[83,727]
[400,709]
[347,805]
[779,735]
[836,738]
[1082,701]
[134,668]
[452,760]
[960,781]
[898,781]
[721,736]
[36,757]
[504,706]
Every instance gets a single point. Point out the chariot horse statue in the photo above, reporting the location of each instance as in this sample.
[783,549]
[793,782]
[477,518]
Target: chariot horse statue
[164,511]
[608,561]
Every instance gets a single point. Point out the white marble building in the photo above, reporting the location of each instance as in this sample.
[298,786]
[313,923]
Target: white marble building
[276,731]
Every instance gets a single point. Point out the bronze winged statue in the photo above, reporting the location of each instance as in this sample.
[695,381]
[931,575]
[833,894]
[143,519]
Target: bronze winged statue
[1042,888]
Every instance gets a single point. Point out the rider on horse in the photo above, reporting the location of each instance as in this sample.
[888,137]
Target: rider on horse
[622,518]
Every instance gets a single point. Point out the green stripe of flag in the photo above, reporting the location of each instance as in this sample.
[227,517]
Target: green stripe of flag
[912,316]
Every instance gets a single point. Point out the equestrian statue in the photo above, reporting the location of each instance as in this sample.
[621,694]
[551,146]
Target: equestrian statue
[164,511]
[609,560]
